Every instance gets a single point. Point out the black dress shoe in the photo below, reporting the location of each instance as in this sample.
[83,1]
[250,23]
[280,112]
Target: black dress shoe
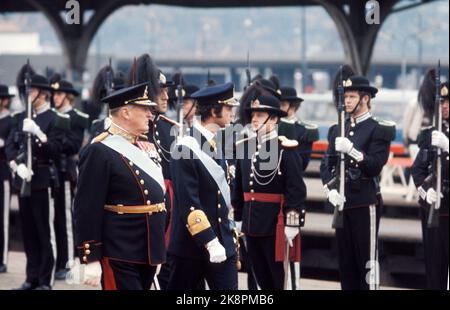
[43,288]
[3,268]
[60,274]
[26,286]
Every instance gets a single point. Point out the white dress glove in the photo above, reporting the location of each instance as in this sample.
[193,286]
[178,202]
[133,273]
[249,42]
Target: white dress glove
[30,126]
[291,233]
[2,143]
[344,145]
[335,198]
[238,226]
[93,274]
[440,140]
[216,251]
[23,172]
[432,196]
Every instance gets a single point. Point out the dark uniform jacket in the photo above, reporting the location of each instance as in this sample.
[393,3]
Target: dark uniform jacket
[6,124]
[97,127]
[66,164]
[260,218]
[305,134]
[422,169]
[195,189]
[109,178]
[55,126]
[160,135]
[373,139]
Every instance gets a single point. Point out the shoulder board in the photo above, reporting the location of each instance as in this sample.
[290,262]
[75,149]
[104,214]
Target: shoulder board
[312,131]
[308,126]
[170,121]
[82,119]
[62,120]
[386,130]
[17,113]
[287,143]
[100,137]
[83,115]
[383,122]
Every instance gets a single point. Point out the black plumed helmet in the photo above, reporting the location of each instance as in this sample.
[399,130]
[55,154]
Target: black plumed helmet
[99,88]
[146,71]
[427,92]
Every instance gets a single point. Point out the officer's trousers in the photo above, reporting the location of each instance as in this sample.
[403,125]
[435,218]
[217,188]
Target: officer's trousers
[120,275]
[5,201]
[188,274]
[435,242]
[358,248]
[64,224]
[269,273]
[37,215]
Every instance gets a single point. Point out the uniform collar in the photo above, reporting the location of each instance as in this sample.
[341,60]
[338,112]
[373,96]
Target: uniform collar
[361,118]
[115,129]
[43,108]
[291,120]
[4,114]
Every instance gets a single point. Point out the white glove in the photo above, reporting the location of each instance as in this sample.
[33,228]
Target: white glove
[30,126]
[439,140]
[216,251]
[93,274]
[23,172]
[291,233]
[432,196]
[2,143]
[238,226]
[335,198]
[343,145]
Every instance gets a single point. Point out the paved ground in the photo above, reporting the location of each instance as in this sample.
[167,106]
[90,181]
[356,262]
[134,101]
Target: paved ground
[15,276]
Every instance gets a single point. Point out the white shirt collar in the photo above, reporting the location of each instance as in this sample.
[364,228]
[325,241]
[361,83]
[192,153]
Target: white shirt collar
[205,132]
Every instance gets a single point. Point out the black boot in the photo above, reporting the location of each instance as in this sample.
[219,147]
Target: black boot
[60,274]
[26,286]
[43,288]
[3,268]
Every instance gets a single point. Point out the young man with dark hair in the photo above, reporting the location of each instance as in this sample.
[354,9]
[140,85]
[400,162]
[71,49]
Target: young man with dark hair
[201,241]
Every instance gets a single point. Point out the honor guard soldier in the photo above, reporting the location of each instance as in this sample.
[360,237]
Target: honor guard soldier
[366,145]
[47,129]
[105,82]
[305,134]
[269,194]
[119,205]
[64,95]
[436,237]
[6,123]
[201,240]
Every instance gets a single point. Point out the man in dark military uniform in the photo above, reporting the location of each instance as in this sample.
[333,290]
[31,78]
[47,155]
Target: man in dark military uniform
[47,129]
[366,147]
[64,95]
[119,205]
[6,123]
[305,134]
[269,194]
[435,238]
[201,241]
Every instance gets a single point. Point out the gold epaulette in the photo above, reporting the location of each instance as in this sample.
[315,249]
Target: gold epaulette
[170,121]
[197,222]
[286,143]
[100,137]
